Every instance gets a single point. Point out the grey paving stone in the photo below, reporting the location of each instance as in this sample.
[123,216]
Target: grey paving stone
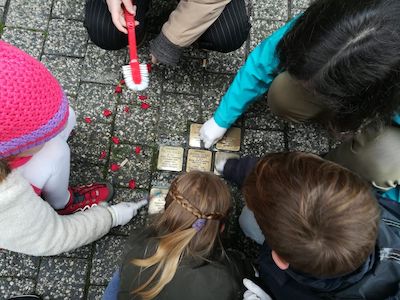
[270,9]
[11,286]
[308,138]
[296,11]
[1,14]
[172,138]
[186,77]
[301,3]
[66,38]
[137,168]
[3,2]
[137,126]
[106,259]
[62,278]
[89,140]
[66,69]
[259,116]
[27,40]
[140,220]
[18,265]
[176,111]
[81,252]
[163,178]
[29,14]
[96,292]
[92,100]
[226,62]
[103,66]
[259,143]
[68,9]
[261,29]
[84,173]
[214,87]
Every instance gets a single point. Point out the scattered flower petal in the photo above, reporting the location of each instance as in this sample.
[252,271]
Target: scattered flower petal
[132,184]
[114,167]
[143,97]
[107,113]
[118,89]
[145,105]
[149,67]
[103,154]
[138,149]
[126,109]
[122,82]
[115,140]
[88,120]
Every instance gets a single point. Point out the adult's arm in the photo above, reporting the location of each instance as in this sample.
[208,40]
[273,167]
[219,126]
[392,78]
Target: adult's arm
[30,225]
[253,79]
[185,25]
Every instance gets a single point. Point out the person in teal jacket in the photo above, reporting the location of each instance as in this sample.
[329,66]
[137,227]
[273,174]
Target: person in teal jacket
[337,64]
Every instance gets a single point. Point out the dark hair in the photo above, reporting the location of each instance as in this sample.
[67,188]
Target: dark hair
[348,54]
[4,169]
[318,216]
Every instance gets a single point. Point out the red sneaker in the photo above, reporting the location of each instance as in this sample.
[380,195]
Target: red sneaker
[86,196]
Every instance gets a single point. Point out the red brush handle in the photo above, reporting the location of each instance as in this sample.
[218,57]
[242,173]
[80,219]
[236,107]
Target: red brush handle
[130,24]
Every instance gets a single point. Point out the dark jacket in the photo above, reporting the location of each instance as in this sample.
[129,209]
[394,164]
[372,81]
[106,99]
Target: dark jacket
[377,278]
[194,279]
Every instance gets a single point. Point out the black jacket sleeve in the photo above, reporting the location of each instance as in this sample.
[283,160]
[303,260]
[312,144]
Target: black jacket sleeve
[236,170]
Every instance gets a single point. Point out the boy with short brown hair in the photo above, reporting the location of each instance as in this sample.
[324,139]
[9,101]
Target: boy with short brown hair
[326,235]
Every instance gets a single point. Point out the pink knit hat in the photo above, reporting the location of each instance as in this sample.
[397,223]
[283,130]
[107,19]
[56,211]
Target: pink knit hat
[33,107]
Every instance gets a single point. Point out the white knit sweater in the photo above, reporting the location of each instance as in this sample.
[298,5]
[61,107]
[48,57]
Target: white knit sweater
[30,225]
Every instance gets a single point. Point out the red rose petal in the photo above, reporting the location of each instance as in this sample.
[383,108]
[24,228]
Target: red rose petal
[114,167]
[88,120]
[149,67]
[132,184]
[115,140]
[122,82]
[143,97]
[103,154]
[145,105]
[118,89]
[126,109]
[107,113]
[138,149]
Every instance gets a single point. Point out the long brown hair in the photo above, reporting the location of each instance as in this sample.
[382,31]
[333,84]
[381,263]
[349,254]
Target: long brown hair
[316,215]
[4,169]
[192,196]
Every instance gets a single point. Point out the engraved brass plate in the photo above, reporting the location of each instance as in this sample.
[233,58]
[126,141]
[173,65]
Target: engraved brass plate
[170,158]
[220,156]
[198,160]
[194,137]
[157,200]
[231,140]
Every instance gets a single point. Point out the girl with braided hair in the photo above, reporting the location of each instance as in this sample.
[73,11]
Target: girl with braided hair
[180,256]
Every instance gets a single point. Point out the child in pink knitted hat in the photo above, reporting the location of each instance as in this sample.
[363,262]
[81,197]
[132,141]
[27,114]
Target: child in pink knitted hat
[36,121]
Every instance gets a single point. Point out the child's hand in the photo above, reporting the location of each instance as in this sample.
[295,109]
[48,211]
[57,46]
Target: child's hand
[123,212]
[254,292]
[117,13]
[211,132]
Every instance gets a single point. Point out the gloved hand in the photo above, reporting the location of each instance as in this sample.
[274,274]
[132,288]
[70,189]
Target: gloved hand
[123,212]
[219,166]
[254,292]
[117,13]
[211,132]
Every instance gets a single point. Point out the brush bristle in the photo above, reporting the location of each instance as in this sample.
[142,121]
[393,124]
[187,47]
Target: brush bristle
[144,72]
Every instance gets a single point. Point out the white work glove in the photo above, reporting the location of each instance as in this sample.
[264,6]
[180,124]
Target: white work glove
[219,166]
[117,13]
[123,212]
[211,132]
[254,292]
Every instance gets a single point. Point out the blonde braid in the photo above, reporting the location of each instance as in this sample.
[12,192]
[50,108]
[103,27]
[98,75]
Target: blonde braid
[176,196]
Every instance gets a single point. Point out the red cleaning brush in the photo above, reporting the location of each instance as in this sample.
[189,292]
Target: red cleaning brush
[136,75]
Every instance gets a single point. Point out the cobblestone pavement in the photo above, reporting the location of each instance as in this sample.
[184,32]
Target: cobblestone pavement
[53,31]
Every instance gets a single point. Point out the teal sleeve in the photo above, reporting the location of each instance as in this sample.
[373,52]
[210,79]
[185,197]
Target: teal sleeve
[252,80]
[396,118]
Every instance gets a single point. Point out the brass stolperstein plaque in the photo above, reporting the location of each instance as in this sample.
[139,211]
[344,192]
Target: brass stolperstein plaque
[219,156]
[198,160]
[194,137]
[157,200]
[231,140]
[170,158]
